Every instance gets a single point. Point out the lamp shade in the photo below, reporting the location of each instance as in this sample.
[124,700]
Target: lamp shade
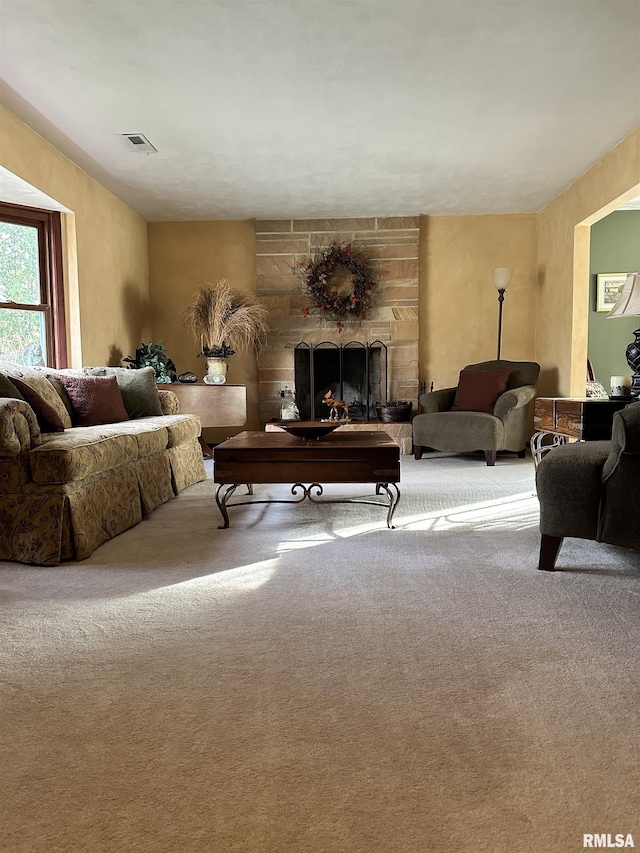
[628,304]
[502,277]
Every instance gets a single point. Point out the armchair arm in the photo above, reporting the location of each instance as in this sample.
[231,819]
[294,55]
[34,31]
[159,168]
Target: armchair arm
[169,403]
[19,430]
[437,401]
[569,486]
[620,477]
[625,438]
[516,398]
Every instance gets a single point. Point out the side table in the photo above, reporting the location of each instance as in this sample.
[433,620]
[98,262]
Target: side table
[562,418]
[215,405]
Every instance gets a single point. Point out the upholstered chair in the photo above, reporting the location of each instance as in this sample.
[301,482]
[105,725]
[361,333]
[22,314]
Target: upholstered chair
[485,412]
[587,490]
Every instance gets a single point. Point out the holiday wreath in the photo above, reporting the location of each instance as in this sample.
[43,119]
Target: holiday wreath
[317,273]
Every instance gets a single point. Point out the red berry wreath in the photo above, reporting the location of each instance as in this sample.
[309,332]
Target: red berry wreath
[316,274]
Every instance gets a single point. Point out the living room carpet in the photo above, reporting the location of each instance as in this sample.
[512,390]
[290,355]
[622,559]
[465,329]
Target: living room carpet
[311,681]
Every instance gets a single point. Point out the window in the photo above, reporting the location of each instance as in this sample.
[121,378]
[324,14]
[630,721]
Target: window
[32,329]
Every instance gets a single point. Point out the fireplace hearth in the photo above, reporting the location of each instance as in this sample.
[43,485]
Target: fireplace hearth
[354,372]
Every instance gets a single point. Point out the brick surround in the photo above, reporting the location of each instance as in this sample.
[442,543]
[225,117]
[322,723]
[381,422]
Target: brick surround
[393,242]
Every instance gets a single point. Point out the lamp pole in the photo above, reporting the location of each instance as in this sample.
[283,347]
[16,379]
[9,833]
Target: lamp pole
[500,303]
[501,281]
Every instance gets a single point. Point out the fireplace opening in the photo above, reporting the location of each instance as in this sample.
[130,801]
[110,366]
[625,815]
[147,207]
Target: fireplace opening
[354,372]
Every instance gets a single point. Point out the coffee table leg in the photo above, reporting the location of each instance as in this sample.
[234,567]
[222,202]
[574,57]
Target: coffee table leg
[391,490]
[393,493]
[306,492]
[222,504]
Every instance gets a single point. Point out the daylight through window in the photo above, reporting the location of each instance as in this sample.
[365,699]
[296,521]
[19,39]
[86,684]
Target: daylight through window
[32,329]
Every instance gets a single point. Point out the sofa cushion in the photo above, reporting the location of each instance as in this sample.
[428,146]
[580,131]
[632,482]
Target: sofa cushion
[54,378]
[84,451]
[8,389]
[37,380]
[48,415]
[150,434]
[478,390]
[79,453]
[459,432]
[138,388]
[95,399]
[182,428]
[159,433]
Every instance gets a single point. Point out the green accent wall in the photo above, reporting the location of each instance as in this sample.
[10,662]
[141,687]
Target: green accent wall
[615,247]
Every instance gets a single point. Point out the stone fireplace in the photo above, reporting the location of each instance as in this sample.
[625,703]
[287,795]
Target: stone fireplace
[383,349]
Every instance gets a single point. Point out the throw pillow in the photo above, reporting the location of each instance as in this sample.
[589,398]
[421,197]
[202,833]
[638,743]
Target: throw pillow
[8,389]
[49,419]
[54,378]
[138,388]
[95,399]
[38,382]
[478,390]
[62,393]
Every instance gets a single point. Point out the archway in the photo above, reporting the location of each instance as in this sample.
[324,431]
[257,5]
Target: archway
[581,287]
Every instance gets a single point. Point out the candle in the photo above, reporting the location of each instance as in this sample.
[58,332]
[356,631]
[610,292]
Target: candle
[620,386]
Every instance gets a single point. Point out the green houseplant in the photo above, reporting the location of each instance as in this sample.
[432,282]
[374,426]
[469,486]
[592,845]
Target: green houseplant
[224,319]
[154,355]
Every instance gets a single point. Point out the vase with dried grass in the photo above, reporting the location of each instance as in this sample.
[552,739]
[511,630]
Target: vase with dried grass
[224,319]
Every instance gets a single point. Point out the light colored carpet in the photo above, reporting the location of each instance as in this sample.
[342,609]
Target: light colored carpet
[310,681]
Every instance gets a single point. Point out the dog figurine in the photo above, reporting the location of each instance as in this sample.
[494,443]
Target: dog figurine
[337,407]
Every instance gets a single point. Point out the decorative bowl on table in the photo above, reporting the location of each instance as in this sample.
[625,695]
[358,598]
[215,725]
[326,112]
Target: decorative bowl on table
[310,429]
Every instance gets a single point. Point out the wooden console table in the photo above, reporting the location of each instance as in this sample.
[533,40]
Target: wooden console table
[562,418]
[215,405]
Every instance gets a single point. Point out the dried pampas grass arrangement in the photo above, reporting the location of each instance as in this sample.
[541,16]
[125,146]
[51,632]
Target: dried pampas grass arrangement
[224,319]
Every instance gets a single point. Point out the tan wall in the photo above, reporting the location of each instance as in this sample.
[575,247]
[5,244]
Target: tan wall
[111,308]
[106,263]
[182,257]
[458,301]
[563,264]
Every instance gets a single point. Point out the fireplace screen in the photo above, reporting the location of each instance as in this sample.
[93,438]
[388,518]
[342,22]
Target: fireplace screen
[355,372]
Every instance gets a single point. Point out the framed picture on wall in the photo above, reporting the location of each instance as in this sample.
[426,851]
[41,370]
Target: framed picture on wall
[608,289]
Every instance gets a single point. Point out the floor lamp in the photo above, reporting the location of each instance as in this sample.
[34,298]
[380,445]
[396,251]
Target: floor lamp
[628,305]
[501,280]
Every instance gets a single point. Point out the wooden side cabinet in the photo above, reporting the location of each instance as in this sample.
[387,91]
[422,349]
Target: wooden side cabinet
[562,418]
[215,405]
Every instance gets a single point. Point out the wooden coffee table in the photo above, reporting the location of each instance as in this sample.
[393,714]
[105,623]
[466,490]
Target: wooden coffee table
[340,457]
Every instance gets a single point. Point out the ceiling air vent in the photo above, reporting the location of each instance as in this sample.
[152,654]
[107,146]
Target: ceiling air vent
[140,143]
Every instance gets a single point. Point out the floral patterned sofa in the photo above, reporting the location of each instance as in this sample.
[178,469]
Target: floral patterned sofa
[62,494]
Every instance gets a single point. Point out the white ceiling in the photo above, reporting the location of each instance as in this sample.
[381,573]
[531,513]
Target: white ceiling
[16,191]
[311,108]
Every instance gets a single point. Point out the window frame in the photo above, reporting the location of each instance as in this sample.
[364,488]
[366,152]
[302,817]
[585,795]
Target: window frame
[49,226]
